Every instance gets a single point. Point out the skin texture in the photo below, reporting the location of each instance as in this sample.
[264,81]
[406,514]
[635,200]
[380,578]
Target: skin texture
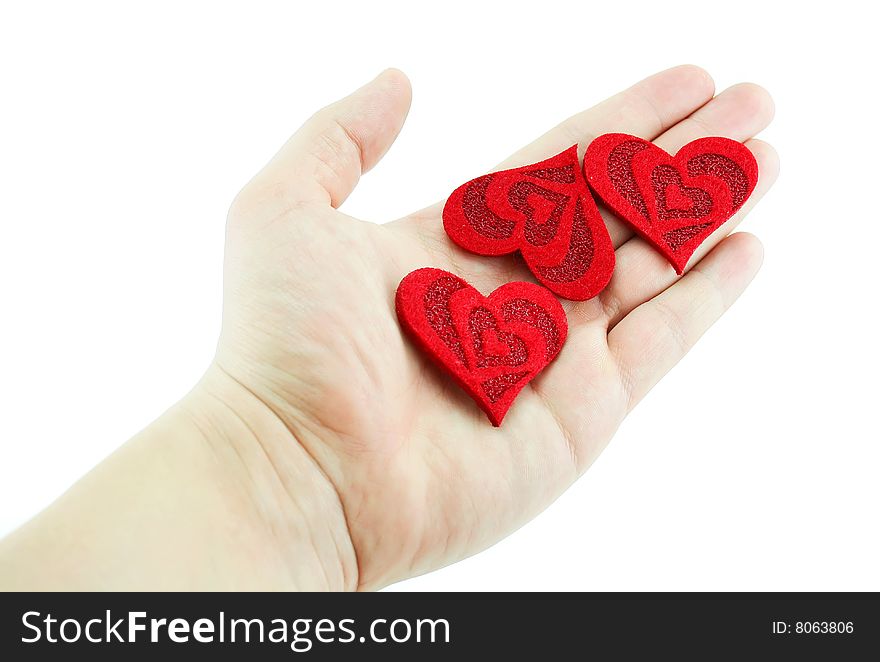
[320,450]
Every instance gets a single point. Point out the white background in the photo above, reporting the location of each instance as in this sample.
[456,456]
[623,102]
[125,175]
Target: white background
[126,132]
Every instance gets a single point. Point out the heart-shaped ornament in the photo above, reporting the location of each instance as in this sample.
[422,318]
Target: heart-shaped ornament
[491,345]
[544,211]
[674,202]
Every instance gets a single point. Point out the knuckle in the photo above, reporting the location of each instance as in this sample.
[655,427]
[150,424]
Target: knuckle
[611,305]
[627,383]
[639,105]
[243,204]
[261,201]
[710,292]
[336,150]
[576,129]
[674,326]
[253,198]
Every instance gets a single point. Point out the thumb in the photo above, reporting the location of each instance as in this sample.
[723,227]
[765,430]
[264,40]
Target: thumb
[323,161]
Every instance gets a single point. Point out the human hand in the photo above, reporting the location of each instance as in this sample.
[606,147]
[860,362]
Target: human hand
[413,476]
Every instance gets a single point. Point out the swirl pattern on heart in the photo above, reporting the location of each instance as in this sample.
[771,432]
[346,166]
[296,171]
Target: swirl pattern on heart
[544,211]
[492,346]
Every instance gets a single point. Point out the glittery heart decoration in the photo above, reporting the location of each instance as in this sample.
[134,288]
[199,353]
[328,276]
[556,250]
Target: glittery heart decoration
[492,346]
[544,211]
[674,202]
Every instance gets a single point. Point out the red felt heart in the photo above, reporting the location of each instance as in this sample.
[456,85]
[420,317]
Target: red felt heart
[674,202]
[546,212]
[492,346]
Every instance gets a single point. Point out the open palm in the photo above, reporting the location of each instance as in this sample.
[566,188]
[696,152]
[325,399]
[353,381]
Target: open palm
[310,330]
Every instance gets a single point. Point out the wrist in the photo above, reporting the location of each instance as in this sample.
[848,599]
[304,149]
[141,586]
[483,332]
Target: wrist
[290,508]
[203,498]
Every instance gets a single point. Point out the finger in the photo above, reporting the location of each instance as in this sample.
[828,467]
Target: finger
[646,109]
[739,112]
[324,159]
[656,335]
[641,272]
